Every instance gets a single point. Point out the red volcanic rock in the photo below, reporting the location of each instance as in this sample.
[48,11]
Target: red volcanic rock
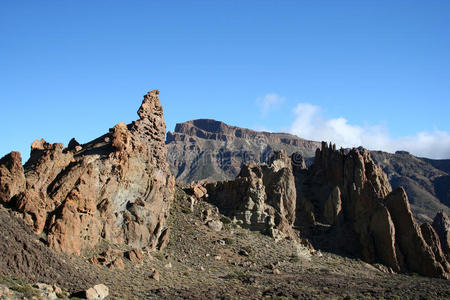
[117,187]
[12,179]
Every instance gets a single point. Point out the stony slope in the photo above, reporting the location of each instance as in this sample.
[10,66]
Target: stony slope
[24,256]
[201,263]
[212,150]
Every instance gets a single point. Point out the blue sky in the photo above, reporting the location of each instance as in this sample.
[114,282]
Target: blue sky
[375,73]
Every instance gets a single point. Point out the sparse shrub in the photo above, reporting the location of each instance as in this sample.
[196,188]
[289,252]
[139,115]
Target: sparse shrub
[295,259]
[26,290]
[185,210]
[158,255]
[62,295]
[228,241]
[226,297]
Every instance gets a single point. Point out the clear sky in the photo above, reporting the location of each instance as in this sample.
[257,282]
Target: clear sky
[375,73]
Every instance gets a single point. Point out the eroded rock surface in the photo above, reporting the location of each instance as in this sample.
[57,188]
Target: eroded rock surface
[117,187]
[441,225]
[263,197]
[342,203]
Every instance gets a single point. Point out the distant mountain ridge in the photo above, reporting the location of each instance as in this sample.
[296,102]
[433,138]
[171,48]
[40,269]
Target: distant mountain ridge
[207,149]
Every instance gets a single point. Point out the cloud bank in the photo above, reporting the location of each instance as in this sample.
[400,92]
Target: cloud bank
[309,124]
[270,102]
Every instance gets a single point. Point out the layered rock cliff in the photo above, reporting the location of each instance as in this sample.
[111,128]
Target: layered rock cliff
[213,150]
[117,187]
[342,203]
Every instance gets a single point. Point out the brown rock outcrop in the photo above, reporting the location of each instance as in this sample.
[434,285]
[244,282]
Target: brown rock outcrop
[432,239]
[117,187]
[418,256]
[380,220]
[342,203]
[263,197]
[441,225]
[12,178]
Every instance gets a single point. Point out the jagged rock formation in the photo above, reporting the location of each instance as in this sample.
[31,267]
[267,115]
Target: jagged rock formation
[343,202]
[441,224]
[262,197]
[426,181]
[211,150]
[117,187]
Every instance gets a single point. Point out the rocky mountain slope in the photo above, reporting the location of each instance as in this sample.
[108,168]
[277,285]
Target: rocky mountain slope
[208,149]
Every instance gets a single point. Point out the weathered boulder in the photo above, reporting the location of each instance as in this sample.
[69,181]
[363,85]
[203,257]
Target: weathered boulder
[117,187]
[98,292]
[135,255]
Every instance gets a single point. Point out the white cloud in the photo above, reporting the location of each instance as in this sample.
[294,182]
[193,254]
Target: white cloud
[270,102]
[310,124]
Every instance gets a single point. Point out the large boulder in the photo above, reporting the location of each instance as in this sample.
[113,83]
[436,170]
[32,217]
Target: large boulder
[117,187]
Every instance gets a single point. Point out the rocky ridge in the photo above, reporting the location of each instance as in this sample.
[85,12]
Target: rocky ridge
[209,149]
[342,203]
[116,188]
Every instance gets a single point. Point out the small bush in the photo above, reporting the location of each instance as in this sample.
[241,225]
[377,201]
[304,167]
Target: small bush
[26,290]
[228,241]
[158,255]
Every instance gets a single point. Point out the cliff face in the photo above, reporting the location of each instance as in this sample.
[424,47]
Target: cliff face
[117,187]
[342,203]
[209,149]
[212,150]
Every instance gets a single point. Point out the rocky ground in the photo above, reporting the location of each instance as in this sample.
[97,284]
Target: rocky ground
[235,263]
